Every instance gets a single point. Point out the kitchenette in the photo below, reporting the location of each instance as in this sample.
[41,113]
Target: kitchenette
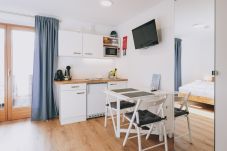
[82,99]
[84,72]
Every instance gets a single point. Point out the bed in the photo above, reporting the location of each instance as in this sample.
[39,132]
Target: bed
[201,91]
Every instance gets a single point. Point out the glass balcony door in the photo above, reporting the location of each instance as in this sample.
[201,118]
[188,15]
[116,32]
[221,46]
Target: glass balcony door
[20,71]
[16,68]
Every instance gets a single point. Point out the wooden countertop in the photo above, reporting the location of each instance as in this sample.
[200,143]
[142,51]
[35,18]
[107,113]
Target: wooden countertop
[90,81]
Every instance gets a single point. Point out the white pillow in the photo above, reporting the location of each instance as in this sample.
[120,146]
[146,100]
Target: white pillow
[209,78]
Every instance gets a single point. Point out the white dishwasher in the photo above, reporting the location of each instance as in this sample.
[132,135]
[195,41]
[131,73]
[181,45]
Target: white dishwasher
[96,100]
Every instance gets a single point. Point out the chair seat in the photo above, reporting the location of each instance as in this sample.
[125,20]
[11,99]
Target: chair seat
[123,104]
[145,117]
[180,112]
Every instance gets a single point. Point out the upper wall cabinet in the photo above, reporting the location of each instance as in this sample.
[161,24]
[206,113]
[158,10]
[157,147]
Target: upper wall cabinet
[92,45]
[70,43]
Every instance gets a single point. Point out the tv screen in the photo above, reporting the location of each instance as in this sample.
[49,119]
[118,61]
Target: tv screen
[145,35]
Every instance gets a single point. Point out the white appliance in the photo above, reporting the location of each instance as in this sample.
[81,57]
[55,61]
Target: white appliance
[96,100]
[111,51]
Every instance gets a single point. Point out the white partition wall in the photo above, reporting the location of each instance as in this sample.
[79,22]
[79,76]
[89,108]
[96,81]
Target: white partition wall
[221,79]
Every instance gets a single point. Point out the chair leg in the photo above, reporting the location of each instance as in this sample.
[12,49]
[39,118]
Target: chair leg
[160,132]
[127,134]
[113,121]
[149,132]
[131,122]
[165,136]
[189,129]
[139,139]
[123,117]
[106,115]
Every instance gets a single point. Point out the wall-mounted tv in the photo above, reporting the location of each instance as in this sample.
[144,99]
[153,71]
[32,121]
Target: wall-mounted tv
[145,35]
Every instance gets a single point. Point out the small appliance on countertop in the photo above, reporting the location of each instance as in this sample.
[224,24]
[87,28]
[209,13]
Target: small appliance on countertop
[59,76]
[67,73]
[113,74]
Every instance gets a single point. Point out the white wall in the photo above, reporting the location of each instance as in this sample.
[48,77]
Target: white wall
[81,67]
[87,67]
[197,56]
[139,65]
[197,43]
[221,79]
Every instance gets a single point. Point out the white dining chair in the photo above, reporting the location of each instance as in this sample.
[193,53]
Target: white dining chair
[144,116]
[111,108]
[183,111]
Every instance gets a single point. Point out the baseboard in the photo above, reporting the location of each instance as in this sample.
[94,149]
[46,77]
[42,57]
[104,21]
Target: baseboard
[70,120]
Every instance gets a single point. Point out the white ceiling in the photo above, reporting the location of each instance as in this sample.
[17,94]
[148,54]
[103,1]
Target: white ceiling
[81,10]
[191,12]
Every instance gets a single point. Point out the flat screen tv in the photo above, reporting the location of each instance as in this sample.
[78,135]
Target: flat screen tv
[145,35]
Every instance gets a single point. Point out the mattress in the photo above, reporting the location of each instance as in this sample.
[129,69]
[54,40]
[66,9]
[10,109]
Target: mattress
[199,88]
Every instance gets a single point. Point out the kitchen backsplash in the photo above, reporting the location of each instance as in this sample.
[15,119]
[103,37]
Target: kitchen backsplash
[86,67]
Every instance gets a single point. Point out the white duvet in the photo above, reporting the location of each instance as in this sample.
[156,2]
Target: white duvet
[199,88]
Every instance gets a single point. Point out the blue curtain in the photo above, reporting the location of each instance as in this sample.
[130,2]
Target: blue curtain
[45,60]
[177,73]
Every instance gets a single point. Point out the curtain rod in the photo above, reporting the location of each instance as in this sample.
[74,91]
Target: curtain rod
[18,14]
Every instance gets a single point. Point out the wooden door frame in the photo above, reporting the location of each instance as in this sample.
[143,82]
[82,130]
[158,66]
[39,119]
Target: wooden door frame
[3,113]
[10,113]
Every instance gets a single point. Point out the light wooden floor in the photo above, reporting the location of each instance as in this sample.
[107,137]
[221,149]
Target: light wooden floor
[202,134]
[25,135]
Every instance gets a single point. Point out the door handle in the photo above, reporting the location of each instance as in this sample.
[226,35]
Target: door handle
[214,72]
[88,54]
[75,86]
[9,73]
[80,92]
[76,53]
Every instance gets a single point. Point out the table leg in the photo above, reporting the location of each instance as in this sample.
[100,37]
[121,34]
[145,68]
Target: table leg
[118,135]
[160,132]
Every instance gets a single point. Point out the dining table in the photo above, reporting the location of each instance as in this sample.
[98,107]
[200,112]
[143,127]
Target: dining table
[134,94]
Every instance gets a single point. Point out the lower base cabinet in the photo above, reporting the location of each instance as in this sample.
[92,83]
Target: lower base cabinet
[78,102]
[72,103]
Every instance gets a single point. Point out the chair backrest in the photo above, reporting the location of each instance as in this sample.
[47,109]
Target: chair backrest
[154,104]
[155,100]
[184,103]
[155,83]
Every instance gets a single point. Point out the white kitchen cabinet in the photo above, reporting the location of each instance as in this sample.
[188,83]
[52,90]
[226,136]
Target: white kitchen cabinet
[117,85]
[92,45]
[70,43]
[72,103]
[96,100]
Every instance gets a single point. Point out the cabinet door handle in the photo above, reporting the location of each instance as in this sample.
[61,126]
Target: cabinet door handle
[113,84]
[76,53]
[75,86]
[88,54]
[80,92]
